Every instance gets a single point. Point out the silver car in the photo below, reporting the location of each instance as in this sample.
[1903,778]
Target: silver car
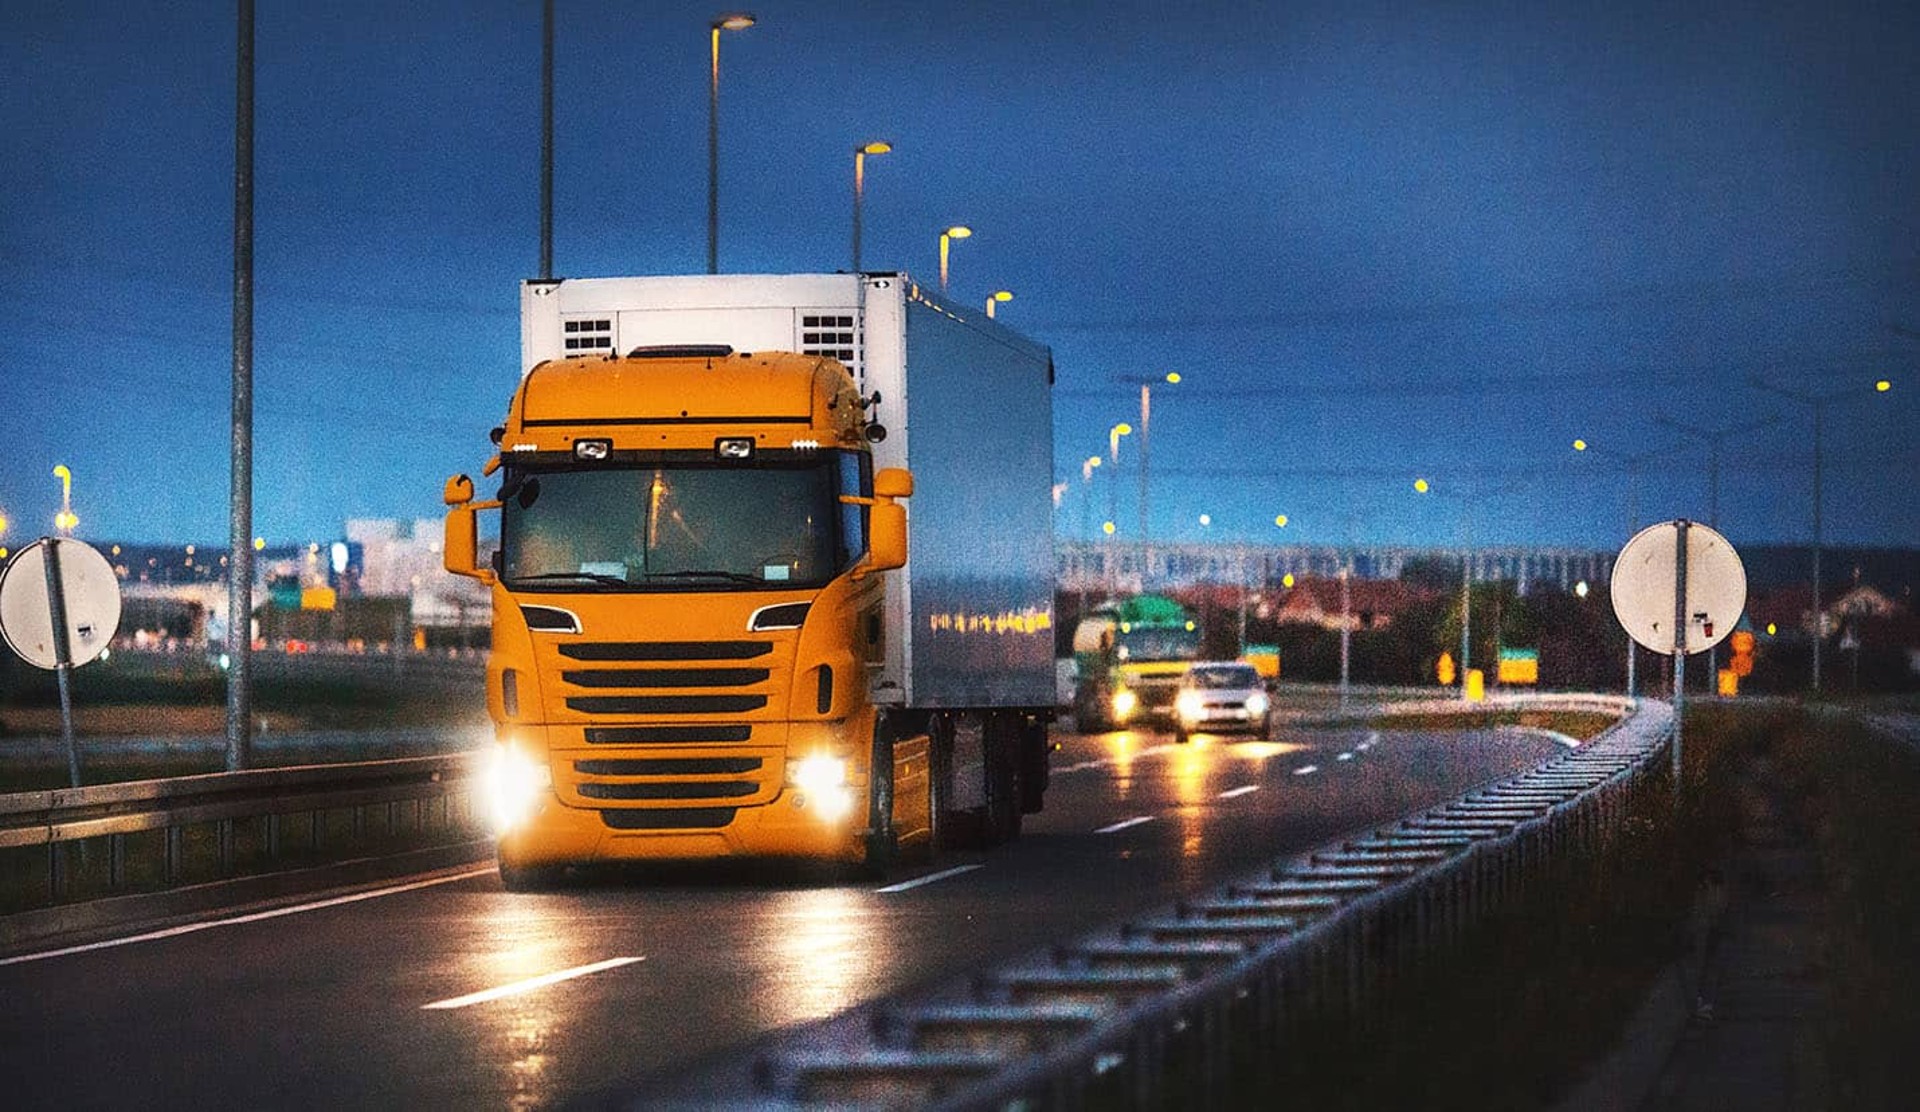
[1219,697]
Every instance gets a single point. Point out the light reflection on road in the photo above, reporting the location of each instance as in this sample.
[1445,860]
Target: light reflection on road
[526,944]
[823,947]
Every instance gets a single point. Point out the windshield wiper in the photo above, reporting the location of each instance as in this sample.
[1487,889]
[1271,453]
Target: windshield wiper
[588,576]
[708,573]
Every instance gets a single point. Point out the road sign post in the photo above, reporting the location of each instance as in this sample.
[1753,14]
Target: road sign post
[59,608]
[1678,588]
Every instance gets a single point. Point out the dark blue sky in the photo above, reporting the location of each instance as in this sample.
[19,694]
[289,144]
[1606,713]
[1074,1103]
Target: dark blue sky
[1377,241]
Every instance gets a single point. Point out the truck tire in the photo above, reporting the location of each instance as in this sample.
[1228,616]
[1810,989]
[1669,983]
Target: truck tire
[951,829]
[883,844]
[1004,794]
[531,878]
[1036,757]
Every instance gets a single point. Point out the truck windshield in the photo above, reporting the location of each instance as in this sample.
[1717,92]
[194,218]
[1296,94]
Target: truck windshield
[680,526]
[1159,644]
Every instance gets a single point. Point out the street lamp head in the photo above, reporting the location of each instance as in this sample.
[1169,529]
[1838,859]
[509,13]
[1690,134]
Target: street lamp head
[1107,528]
[1003,295]
[1579,445]
[1281,521]
[1092,461]
[1422,485]
[958,231]
[733,21]
[1123,429]
[60,472]
[878,146]
[1173,378]
[1883,385]
[1206,519]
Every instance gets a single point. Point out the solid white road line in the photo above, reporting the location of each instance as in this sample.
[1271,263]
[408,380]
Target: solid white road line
[1124,823]
[190,928]
[1243,789]
[528,985]
[1306,770]
[928,879]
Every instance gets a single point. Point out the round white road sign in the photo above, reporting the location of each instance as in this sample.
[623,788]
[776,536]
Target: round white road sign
[1645,583]
[88,587]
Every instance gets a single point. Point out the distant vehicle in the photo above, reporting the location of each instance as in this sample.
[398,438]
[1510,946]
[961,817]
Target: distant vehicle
[1130,654]
[1221,697]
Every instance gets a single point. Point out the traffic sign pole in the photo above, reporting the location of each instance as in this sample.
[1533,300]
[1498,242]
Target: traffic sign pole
[1679,648]
[62,657]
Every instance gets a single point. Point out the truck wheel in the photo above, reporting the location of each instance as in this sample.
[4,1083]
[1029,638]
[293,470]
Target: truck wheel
[951,829]
[1035,757]
[1003,780]
[530,878]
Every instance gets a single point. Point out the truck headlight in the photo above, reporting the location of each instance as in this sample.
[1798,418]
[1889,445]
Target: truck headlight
[1189,705]
[512,785]
[1257,703]
[820,782]
[1124,704]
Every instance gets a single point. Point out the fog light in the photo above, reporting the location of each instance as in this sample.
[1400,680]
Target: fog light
[1124,704]
[512,784]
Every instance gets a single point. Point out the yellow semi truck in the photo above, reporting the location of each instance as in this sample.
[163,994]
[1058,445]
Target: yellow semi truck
[710,634]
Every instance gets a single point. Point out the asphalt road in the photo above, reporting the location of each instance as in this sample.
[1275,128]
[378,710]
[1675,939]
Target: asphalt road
[419,997]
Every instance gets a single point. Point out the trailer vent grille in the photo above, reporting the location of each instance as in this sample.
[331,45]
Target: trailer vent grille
[833,335]
[592,336]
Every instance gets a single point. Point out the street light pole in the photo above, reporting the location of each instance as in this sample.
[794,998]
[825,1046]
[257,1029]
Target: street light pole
[240,499]
[546,140]
[1818,403]
[1113,498]
[1634,461]
[958,231]
[732,21]
[860,153]
[1087,468]
[1146,417]
[1714,438]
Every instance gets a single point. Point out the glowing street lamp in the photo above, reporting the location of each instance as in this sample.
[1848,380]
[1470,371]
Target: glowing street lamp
[65,520]
[860,153]
[730,21]
[997,297]
[957,231]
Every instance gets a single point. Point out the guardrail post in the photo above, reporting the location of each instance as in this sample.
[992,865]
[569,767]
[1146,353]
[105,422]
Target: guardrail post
[56,881]
[170,857]
[116,861]
[223,833]
[273,837]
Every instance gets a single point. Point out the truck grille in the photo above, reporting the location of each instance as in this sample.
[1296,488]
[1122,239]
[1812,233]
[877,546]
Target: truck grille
[669,818]
[701,734]
[706,680]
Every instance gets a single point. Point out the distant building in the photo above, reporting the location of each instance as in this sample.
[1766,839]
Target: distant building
[399,561]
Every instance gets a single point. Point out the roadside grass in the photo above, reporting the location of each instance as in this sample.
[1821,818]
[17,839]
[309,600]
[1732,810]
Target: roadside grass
[1859,793]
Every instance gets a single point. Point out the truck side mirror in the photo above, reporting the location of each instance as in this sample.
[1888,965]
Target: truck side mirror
[887,522]
[887,544]
[459,551]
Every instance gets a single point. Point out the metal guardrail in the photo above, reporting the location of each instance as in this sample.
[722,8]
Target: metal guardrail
[408,790]
[1181,1007]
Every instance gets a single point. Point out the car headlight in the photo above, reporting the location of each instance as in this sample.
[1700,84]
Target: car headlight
[1189,705]
[512,783]
[1257,703]
[820,782]
[1124,703]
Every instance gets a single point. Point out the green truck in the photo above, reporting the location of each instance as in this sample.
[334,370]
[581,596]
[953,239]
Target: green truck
[1129,655]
